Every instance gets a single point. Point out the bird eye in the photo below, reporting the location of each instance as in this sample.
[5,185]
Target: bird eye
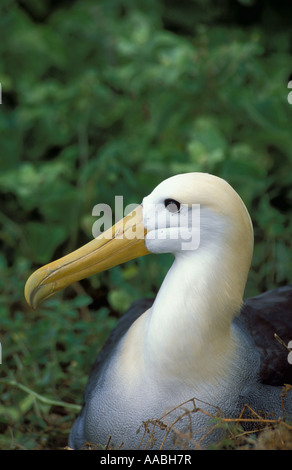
[172,205]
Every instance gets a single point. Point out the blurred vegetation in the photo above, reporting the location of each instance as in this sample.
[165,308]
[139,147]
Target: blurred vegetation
[109,97]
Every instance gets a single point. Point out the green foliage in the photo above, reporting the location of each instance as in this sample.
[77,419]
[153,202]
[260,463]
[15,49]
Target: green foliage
[109,98]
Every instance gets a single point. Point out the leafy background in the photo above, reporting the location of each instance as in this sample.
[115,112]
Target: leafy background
[109,97]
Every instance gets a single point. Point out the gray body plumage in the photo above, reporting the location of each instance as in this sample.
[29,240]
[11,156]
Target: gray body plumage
[256,377]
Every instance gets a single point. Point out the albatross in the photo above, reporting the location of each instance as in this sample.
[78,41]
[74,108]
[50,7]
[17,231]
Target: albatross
[198,344]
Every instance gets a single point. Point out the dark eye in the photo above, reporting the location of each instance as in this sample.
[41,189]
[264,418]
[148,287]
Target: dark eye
[172,205]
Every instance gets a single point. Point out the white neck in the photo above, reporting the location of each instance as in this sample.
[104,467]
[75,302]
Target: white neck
[187,333]
[189,326]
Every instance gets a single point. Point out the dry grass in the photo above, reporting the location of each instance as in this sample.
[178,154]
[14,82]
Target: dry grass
[249,431]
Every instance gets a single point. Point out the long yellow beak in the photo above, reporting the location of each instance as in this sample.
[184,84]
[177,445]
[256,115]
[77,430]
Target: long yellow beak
[122,242]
